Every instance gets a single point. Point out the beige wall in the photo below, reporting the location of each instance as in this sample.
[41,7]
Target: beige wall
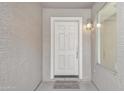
[20,36]
[106,79]
[47,13]
[108,43]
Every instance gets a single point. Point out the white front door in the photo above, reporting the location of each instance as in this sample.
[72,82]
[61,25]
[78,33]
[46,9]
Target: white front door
[66,47]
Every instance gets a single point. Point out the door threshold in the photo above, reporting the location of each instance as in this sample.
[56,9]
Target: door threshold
[66,76]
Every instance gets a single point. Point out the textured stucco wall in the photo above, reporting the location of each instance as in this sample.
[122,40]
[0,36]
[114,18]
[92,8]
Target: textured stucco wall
[20,46]
[102,77]
[108,44]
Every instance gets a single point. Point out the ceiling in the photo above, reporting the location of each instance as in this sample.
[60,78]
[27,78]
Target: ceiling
[75,5]
[108,12]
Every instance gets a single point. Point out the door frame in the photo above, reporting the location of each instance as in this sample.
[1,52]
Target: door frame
[79,20]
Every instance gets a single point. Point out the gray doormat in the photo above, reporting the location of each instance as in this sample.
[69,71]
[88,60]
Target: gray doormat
[66,85]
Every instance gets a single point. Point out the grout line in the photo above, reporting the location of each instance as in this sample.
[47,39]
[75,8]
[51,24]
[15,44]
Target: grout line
[95,85]
[37,86]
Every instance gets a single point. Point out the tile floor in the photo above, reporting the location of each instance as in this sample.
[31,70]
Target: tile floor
[84,86]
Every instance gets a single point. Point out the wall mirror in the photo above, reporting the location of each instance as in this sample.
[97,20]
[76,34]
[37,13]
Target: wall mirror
[106,36]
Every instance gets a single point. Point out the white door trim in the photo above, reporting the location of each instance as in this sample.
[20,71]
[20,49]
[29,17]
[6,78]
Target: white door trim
[79,19]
